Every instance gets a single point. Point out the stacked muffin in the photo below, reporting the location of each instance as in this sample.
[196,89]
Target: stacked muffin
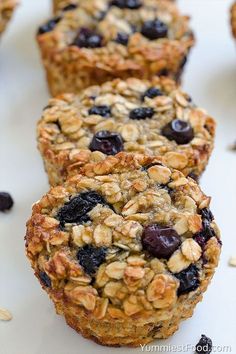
[124,242]
[7,8]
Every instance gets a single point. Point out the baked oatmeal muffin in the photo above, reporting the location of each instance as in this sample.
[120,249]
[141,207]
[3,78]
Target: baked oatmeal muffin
[153,117]
[6,10]
[233,18]
[125,249]
[101,40]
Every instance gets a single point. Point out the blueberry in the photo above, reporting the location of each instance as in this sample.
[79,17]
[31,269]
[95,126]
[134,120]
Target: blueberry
[152,92]
[189,280]
[77,209]
[207,231]
[6,201]
[179,131]
[86,38]
[45,279]
[160,241]
[49,26]
[154,29]
[127,4]
[207,214]
[70,7]
[204,345]
[109,143]
[103,111]
[90,258]
[141,113]
[194,176]
[122,38]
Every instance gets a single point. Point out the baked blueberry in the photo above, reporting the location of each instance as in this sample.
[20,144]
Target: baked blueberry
[189,280]
[122,38]
[90,258]
[87,38]
[154,29]
[109,143]
[104,111]
[194,176]
[77,209]
[205,234]
[160,241]
[207,214]
[6,201]
[70,7]
[49,26]
[179,131]
[45,279]
[127,4]
[204,345]
[152,92]
[141,113]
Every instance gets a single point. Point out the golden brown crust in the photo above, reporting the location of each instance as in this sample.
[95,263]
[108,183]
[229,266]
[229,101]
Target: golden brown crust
[134,297]
[70,68]
[7,8]
[66,129]
[233,19]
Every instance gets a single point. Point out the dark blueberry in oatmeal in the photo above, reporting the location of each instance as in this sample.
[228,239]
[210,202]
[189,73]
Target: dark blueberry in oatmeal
[103,111]
[109,143]
[205,234]
[179,131]
[207,231]
[49,26]
[45,279]
[141,113]
[90,258]
[70,7]
[122,38]
[160,241]
[77,209]
[154,29]
[189,280]
[6,201]
[194,176]
[207,214]
[127,4]
[152,92]
[204,345]
[87,38]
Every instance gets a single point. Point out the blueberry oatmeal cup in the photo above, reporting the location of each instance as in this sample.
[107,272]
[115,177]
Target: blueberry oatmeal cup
[233,19]
[7,8]
[152,117]
[125,249]
[101,40]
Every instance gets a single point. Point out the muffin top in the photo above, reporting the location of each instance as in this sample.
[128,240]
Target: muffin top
[126,237]
[152,117]
[100,23]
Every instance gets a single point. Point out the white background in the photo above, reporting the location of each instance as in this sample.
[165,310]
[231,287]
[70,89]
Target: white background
[210,78]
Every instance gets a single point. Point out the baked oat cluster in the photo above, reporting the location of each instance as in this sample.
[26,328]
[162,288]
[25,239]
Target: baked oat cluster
[7,8]
[99,40]
[152,117]
[124,249]
[233,19]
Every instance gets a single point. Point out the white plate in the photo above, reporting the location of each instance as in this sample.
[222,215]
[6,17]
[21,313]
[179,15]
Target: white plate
[211,80]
